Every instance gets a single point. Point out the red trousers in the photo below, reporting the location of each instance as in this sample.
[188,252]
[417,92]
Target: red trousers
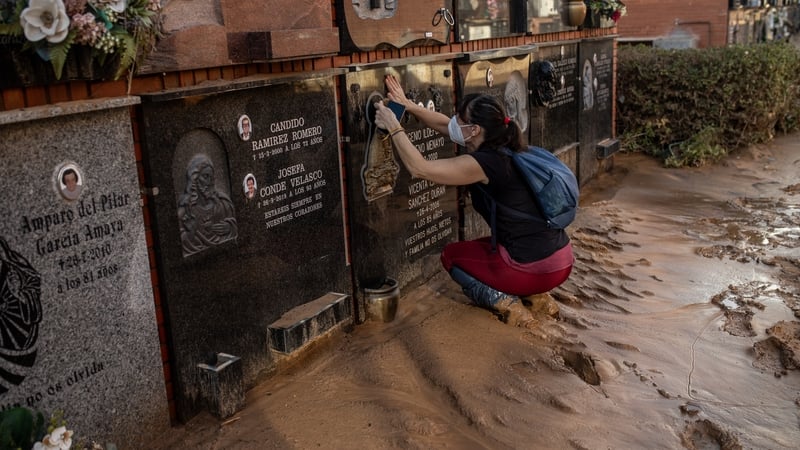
[497,270]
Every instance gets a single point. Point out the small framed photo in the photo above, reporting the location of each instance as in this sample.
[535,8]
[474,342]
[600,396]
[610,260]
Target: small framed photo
[70,181]
[250,186]
[245,127]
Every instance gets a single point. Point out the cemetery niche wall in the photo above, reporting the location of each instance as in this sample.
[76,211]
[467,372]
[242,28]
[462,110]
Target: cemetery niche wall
[399,225]
[248,219]
[77,322]
[369,24]
[502,74]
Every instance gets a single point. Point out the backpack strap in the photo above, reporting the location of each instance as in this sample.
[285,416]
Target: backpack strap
[492,213]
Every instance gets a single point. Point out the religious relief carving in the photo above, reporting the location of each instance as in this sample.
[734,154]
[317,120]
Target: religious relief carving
[516,100]
[380,169]
[589,84]
[206,215]
[375,9]
[20,314]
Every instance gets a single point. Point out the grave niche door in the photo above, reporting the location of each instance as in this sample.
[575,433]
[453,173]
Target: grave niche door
[596,75]
[399,225]
[248,217]
[553,82]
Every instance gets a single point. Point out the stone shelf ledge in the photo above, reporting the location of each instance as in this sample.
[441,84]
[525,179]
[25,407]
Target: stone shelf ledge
[65,108]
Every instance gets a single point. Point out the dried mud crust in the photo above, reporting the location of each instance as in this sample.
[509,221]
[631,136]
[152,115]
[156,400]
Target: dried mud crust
[780,352]
[759,230]
[704,434]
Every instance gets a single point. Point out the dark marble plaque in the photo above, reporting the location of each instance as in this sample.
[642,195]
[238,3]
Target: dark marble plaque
[368,24]
[78,326]
[248,215]
[595,66]
[502,74]
[485,19]
[554,120]
[399,225]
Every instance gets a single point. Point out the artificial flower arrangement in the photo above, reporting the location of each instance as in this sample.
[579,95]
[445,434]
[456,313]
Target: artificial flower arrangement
[607,9]
[23,428]
[116,31]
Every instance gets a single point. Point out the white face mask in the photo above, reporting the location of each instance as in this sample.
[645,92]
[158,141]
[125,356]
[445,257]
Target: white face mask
[455,132]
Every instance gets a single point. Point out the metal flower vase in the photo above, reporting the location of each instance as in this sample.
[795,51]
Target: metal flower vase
[576,12]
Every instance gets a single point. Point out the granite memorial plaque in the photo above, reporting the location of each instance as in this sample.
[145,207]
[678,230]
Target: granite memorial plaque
[248,214]
[399,225]
[502,74]
[367,25]
[485,19]
[596,66]
[554,97]
[78,331]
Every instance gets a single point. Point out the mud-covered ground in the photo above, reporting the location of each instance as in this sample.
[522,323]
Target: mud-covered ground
[678,328]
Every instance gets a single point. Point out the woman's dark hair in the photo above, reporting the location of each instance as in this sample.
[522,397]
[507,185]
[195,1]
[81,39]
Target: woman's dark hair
[486,111]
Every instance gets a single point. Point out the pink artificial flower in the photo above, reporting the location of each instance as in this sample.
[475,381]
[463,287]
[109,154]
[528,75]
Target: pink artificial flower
[616,15]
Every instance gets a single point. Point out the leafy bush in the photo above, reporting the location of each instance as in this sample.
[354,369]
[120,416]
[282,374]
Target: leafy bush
[20,428]
[691,107]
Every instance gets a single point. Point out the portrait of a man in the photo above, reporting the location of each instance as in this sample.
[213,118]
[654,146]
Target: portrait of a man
[250,186]
[245,128]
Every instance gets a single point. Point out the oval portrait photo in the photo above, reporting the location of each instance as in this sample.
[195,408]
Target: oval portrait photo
[69,182]
[249,184]
[245,127]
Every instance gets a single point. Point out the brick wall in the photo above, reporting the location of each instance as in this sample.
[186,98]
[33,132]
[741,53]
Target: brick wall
[706,19]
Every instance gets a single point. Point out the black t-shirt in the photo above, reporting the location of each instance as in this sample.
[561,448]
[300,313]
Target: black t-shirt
[525,240]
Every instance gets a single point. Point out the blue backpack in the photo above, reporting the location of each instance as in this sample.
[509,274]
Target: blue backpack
[552,183]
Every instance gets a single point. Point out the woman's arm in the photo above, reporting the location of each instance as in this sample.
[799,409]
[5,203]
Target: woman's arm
[456,171]
[433,119]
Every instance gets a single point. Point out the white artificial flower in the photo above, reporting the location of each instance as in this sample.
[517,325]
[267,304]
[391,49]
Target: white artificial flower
[58,439]
[45,19]
[61,437]
[118,5]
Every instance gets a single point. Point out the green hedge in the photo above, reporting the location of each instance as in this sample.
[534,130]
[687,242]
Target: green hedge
[691,107]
